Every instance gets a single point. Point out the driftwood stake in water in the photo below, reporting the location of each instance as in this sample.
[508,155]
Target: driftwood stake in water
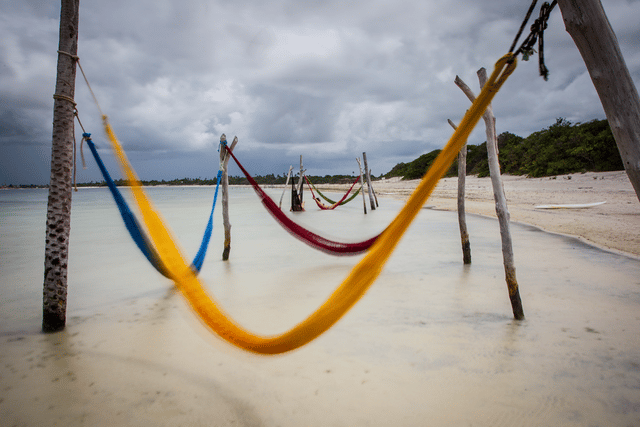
[301,184]
[58,228]
[285,186]
[368,176]
[224,162]
[364,200]
[297,204]
[502,211]
[588,25]
[462,219]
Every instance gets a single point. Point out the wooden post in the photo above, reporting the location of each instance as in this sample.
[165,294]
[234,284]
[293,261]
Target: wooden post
[462,220]
[368,176]
[374,195]
[498,193]
[300,185]
[296,206]
[224,162]
[587,23]
[364,200]
[58,228]
[285,186]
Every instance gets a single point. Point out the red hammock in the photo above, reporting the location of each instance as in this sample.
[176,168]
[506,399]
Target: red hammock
[336,204]
[329,246]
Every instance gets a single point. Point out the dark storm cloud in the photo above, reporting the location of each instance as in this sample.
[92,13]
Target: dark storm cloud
[325,79]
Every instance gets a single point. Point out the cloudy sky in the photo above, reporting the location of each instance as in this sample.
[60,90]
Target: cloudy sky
[323,79]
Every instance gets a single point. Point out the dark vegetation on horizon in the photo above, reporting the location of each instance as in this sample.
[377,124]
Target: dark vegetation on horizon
[269,179]
[561,148]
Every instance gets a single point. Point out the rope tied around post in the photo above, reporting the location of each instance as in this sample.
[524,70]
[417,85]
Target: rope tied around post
[221,148]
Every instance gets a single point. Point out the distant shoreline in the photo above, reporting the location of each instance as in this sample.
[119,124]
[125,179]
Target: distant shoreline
[614,225]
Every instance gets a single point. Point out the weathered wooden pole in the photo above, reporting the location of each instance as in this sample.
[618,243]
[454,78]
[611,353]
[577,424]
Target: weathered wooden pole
[285,186]
[587,23]
[364,200]
[374,195]
[297,205]
[58,228]
[301,184]
[502,211]
[224,162]
[295,202]
[368,176]
[462,219]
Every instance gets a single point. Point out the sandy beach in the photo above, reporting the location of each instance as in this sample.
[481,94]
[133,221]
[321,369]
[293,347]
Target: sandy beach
[614,225]
[432,343]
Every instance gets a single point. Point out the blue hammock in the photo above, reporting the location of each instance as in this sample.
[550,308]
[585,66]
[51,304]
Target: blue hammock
[136,232]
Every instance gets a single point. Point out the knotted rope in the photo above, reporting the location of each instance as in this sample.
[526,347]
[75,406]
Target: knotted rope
[536,34]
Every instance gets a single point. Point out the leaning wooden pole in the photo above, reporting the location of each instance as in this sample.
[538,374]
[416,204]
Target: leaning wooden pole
[368,177]
[462,219]
[587,23]
[301,184]
[58,228]
[224,162]
[286,184]
[502,211]
[364,200]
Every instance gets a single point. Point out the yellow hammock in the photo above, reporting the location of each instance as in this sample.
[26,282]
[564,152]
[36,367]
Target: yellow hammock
[360,278]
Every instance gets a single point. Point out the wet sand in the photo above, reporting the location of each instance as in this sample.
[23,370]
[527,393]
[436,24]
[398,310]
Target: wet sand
[432,343]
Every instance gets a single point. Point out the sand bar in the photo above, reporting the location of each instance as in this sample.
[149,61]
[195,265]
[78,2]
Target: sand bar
[614,225]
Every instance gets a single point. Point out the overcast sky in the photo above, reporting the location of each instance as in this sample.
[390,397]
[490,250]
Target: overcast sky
[323,79]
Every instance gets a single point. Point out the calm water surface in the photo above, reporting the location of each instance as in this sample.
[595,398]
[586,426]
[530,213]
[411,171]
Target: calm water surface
[431,340]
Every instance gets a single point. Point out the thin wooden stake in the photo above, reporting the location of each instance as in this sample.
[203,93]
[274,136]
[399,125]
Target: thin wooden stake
[368,176]
[462,220]
[286,184]
[300,184]
[58,228]
[224,162]
[501,201]
[364,200]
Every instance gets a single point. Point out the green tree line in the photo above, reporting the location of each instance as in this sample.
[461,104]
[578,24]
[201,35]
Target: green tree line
[561,148]
[269,179]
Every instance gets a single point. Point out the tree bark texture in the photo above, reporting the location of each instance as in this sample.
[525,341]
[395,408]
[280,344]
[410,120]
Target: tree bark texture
[58,226]
[587,23]
[502,211]
[462,219]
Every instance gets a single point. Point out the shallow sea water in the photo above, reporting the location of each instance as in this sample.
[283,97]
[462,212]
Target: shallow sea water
[431,343]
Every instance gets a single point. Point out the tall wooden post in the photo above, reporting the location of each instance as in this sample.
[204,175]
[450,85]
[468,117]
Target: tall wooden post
[224,162]
[297,205]
[587,23]
[364,200]
[502,211]
[368,176]
[54,310]
[462,219]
